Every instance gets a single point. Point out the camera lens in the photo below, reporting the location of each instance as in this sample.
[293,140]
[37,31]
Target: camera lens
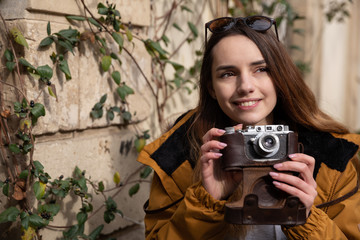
[266,144]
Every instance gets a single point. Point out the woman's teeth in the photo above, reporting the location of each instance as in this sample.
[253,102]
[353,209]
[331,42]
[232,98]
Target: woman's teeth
[247,104]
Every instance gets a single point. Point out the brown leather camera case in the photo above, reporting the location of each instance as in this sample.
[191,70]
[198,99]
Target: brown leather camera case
[261,203]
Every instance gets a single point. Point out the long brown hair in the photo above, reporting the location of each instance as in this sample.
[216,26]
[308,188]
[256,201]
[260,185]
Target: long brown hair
[296,104]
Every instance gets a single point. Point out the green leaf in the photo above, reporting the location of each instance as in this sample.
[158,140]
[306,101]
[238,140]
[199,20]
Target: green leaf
[45,72]
[81,218]
[9,55]
[108,216]
[5,189]
[9,215]
[126,116]
[37,221]
[155,46]
[38,110]
[49,208]
[27,147]
[51,90]
[94,22]
[96,114]
[165,39]
[123,91]
[134,189]
[101,186]
[18,37]
[110,115]
[114,56]
[39,189]
[77,18]
[193,29]
[139,144]
[105,63]
[118,38]
[129,34]
[71,233]
[103,99]
[24,220]
[48,28]
[186,9]
[24,174]
[14,148]
[116,109]
[69,34]
[67,45]
[94,234]
[82,184]
[46,41]
[178,67]
[10,66]
[38,165]
[116,76]
[146,172]
[25,63]
[64,67]
[116,178]
[177,27]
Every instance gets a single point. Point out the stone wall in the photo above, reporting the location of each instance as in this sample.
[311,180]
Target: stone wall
[67,136]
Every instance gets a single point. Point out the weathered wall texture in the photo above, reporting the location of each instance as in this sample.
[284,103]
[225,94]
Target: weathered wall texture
[67,137]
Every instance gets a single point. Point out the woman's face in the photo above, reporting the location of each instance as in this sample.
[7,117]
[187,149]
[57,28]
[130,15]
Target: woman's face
[241,83]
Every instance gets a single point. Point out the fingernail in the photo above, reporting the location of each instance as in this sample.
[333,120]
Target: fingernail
[278,165]
[276,183]
[221,131]
[292,155]
[222,144]
[218,154]
[273,174]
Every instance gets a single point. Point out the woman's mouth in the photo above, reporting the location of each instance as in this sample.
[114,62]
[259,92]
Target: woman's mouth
[244,105]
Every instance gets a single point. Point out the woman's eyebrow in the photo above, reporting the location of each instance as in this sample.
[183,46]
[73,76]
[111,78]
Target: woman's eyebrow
[258,62]
[225,67]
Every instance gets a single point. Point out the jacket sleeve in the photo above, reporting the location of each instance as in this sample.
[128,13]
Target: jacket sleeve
[197,216]
[339,221]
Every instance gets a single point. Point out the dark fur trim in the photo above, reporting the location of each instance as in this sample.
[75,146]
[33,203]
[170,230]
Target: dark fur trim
[325,148]
[175,150]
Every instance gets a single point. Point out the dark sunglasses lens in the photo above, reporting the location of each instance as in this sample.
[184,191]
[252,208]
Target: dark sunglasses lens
[221,24]
[259,23]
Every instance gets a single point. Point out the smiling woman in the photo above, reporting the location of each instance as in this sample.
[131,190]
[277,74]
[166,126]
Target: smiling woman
[247,78]
[241,83]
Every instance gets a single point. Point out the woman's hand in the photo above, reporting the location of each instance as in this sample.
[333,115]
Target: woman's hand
[302,186]
[219,184]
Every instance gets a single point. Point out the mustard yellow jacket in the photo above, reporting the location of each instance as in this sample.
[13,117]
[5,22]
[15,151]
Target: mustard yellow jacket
[179,209]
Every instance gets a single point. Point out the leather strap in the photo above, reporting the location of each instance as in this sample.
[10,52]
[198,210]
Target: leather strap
[159,209]
[340,199]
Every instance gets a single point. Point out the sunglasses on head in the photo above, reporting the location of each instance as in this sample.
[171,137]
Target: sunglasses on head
[257,23]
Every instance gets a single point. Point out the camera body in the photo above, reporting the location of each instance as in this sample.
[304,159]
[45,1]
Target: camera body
[253,152]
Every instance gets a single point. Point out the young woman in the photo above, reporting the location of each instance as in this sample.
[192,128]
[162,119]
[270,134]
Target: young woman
[247,78]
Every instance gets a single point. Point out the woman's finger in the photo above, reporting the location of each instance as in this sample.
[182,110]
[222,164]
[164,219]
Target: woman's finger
[296,182]
[212,145]
[214,132]
[305,198]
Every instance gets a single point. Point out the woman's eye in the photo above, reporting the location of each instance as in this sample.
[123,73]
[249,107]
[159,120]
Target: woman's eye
[262,69]
[227,74]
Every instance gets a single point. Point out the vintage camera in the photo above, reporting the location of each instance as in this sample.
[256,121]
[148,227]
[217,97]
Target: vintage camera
[253,151]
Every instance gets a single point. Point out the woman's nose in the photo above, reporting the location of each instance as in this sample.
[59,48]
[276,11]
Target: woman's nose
[245,84]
